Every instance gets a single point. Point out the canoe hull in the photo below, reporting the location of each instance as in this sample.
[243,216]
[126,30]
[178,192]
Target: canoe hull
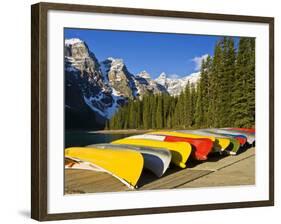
[202,147]
[125,164]
[249,130]
[155,160]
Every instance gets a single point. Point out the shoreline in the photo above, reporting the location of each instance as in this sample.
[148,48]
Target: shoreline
[125,131]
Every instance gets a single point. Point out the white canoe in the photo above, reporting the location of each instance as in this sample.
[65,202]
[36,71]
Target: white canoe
[155,160]
[149,136]
[204,132]
[72,163]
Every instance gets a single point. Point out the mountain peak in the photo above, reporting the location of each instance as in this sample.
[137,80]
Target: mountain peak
[115,60]
[116,64]
[175,84]
[163,75]
[144,74]
[72,41]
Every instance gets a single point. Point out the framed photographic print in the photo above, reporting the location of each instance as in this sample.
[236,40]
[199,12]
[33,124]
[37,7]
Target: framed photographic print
[139,111]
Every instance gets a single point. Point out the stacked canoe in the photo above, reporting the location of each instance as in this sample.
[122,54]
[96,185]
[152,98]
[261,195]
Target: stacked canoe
[125,159]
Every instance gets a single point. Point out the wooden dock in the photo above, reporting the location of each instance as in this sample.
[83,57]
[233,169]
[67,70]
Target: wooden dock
[216,171]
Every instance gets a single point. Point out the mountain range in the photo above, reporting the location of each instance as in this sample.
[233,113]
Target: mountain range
[94,90]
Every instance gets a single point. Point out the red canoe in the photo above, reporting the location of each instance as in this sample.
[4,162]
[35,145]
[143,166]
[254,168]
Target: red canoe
[250,130]
[202,146]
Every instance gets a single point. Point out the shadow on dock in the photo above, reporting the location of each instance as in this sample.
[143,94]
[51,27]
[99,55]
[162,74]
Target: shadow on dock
[148,177]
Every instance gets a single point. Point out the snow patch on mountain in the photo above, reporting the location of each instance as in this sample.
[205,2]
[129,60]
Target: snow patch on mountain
[117,64]
[175,86]
[72,41]
[94,102]
[115,106]
[144,74]
[145,84]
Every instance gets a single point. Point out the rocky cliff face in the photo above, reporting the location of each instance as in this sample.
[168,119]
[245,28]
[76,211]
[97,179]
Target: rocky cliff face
[95,90]
[146,85]
[119,78]
[88,97]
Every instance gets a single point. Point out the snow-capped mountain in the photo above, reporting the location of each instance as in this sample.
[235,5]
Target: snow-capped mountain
[95,90]
[145,85]
[175,86]
[119,78]
[88,97]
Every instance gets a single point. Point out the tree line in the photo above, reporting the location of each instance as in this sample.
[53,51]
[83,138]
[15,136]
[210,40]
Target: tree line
[224,96]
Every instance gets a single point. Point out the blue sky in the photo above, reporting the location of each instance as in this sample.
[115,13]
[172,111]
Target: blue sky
[174,54]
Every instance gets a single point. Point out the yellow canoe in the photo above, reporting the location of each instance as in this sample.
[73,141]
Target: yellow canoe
[222,143]
[125,164]
[180,150]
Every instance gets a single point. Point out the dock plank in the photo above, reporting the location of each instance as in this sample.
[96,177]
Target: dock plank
[175,180]
[242,173]
[216,163]
[91,182]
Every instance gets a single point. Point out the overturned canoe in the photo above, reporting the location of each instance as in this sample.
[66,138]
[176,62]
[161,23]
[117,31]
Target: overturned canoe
[250,137]
[220,144]
[249,130]
[124,164]
[180,150]
[201,147]
[156,160]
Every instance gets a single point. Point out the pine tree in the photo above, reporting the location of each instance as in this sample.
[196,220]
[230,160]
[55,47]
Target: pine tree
[159,112]
[146,113]
[215,93]
[193,103]
[251,84]
[227,80]
[166,104]
[206,92]
[176,114]
[188,106]
[139,122]
[198,115]
[243,101]
[202,102]
[153,103]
